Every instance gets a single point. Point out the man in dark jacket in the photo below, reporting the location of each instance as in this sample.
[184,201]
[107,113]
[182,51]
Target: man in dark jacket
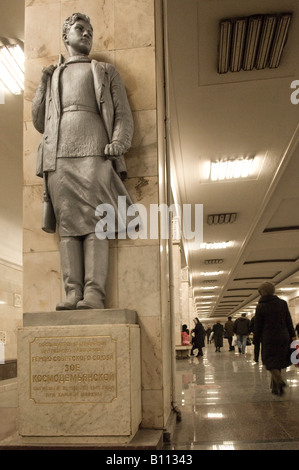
[273,327]
[256,344]
[242,330]
[229,332]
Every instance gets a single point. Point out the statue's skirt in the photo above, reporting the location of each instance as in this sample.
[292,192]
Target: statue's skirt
[78,186]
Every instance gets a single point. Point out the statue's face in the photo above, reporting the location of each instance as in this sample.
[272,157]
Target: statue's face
[79,38]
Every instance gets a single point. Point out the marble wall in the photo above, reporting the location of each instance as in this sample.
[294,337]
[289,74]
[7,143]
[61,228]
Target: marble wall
[10,307]
[124,35]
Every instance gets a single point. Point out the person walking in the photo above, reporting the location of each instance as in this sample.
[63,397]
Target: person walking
[273,327]
[257,344]
[218,335]
[208,333]
[229,332]
[242,330]
[198,337]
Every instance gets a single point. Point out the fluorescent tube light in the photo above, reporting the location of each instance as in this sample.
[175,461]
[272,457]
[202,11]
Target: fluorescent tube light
[221,218]
[12,68]
[231,169]
[238,41]
[287,288]
[211,273]
[215,245]
[255,41]
[252,40]
[279,40]
[224,46]
[208,287]
[214,261]
[267,34]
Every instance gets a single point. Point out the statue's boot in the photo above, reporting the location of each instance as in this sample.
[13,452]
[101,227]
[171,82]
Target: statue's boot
[71,254]
[96,255]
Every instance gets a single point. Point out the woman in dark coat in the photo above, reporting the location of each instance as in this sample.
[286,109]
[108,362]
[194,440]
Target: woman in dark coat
[273,327]
[218,335]
[198,337]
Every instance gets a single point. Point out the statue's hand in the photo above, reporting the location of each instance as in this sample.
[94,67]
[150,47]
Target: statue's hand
[48,72]
[114,150]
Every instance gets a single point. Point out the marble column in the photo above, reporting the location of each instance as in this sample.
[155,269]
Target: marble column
[185,297]
[125,34]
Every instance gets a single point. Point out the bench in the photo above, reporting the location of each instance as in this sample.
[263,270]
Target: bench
[182,351]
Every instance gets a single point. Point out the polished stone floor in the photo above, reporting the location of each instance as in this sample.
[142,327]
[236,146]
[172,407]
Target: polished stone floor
[225,403]
[8,408]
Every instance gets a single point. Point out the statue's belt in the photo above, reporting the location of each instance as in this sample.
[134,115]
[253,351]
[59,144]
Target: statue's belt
[79,107]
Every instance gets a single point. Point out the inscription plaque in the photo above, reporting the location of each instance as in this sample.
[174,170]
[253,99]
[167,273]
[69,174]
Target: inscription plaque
[73,369]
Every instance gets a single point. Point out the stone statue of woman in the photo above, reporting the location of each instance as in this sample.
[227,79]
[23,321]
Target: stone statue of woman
[82,110]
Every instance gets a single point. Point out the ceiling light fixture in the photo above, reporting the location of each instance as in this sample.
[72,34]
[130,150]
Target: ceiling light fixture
[252,41]
[211,273]
[267,35]
[215,245]
[224,45]
[255,41]
[205,296]
[214,261]
[208,287]
[279,41]
[221,218]
[286,288]
[238,40]
[231,169]
[12,66]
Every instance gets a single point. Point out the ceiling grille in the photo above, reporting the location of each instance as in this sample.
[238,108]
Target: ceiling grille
[253,42]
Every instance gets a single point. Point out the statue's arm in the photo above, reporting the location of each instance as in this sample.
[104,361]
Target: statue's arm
[123,121]
[39,100]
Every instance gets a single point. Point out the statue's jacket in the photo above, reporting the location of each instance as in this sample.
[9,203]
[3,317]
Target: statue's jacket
[113,107]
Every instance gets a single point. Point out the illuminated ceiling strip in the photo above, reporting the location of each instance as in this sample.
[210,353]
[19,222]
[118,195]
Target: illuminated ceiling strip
[231,169]
[216,245]
[12,68]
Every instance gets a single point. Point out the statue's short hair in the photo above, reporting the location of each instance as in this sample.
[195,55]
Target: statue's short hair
[72,20]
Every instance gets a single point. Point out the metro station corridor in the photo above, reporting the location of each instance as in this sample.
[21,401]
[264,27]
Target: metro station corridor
[226,404]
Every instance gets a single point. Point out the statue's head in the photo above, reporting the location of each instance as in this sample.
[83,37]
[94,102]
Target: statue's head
[77,33]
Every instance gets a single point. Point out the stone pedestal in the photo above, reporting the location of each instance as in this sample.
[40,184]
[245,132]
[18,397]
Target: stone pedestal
[79,376]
